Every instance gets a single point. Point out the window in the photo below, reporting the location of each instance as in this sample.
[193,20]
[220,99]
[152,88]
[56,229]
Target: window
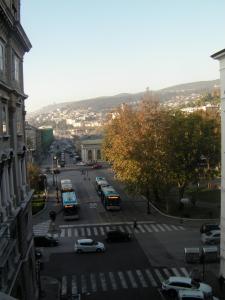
[16,68]
[19,120]
[4,119]
[2,57]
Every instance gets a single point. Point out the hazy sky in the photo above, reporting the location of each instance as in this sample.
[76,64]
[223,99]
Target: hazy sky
[89,48]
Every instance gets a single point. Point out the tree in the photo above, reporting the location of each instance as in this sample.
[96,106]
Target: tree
[135,145]
[33,174]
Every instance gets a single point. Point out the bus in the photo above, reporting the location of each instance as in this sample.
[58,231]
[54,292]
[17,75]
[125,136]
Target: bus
[99,183]
[110,198]
[70,202]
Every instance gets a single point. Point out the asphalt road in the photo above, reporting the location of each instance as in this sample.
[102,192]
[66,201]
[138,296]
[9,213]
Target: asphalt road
[131,270]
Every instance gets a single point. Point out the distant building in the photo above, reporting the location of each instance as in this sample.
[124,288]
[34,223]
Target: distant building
[17,259]
[91,150]
[221,57]
[47,137]
[33,142]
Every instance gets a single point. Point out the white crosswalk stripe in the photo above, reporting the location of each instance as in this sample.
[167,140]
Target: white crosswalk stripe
[145,278]
[80,231]
[132,279]
[74,287]
[93,282]
[122,280]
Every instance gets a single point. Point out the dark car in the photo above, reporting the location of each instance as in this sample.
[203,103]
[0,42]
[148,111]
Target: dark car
[45,241]
[97,166]
[208,227]
[118,236]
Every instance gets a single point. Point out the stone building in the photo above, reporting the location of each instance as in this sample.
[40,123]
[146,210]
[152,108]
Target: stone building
[17,259]
[91,150]
[33,142]
[221,57]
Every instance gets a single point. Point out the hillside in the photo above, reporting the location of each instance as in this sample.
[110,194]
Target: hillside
[106,102]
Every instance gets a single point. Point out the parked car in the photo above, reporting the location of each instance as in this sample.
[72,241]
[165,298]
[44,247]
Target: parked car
[174,284]
[88,245]
[45,241]
[116,235]
[211,237]
[97,166]
[206,227]
[193,295]
[81,163]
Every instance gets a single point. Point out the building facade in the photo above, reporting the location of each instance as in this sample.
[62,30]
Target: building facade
[91,150]
[17,259]
[33,142]
[47,137]
[221,57]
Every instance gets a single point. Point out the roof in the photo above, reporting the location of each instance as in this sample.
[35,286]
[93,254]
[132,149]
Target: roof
[219,54]
[84,240]
[91,142]
[180,279]
[109,190]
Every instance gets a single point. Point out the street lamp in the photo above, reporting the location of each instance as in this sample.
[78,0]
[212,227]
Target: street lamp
[53,177]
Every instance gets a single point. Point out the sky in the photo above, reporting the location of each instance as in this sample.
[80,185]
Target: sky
[84,49]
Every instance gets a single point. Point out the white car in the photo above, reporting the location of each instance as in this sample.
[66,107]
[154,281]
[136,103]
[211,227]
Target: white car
[193,295]
[88,245]
[211,237]
[176,283]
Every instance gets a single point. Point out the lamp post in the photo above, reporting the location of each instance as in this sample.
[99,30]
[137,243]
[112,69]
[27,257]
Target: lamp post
[53,177]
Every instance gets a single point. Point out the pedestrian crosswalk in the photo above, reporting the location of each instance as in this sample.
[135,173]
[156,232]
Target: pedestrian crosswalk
[117,280]
[41,228]
[98,230]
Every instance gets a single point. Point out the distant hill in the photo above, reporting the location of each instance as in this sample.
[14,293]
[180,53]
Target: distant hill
[106,102]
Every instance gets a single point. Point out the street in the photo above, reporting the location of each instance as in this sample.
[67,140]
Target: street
[129,270]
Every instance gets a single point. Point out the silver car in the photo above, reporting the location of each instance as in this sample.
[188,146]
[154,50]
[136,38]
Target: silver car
[211,237]
[174,284]
[88,245]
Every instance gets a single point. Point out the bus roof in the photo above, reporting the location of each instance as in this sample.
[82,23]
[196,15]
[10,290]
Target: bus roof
[69,198]
[109,190]
[66,184]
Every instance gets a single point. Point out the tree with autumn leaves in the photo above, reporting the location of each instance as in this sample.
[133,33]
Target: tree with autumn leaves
[153,149]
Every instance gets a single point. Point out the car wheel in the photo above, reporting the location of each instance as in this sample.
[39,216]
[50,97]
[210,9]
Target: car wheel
[172,294]
[79,251]
[98,250]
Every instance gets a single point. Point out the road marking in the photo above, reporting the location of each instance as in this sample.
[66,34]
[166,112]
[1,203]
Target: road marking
[132,279]
[147,228]
[159,275]
[88,231]
[175,271]
[167,227]
[74,285]
[83,284]
[62,233]
[113,281]
[121,228]
[122,280]
[128,229]
[141,228]
[160,227]
[64,286]
[150,277]
[141,278]
[95,231]
[174,227]
[93,282]
[185,272]
[76,232]
[102,230]
[82,231]
[69,232]
[103,281]
[154,228]
[166,271]
[181,227]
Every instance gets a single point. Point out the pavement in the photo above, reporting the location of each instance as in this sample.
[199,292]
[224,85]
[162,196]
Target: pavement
[50,287]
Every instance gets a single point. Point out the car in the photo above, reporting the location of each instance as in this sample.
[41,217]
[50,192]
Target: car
[88,245]
[211,237]
[174,284]
[81,163]
[97,166]
[45,241]
[116,235]
[206,227]
[193,295]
